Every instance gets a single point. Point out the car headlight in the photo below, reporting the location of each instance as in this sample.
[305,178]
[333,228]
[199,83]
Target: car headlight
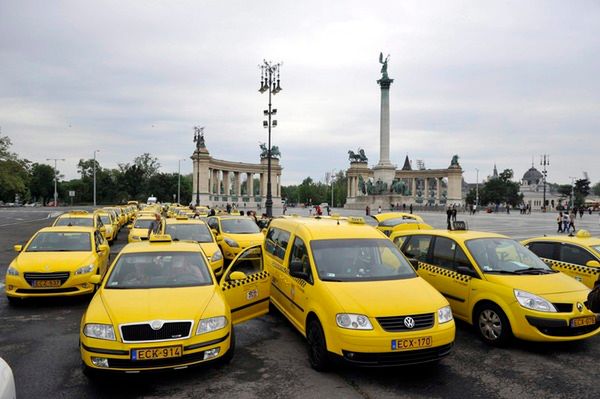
[533,302]
[353,321]
[216,256]
[231,243]
[84,269]
[211,324]
[444,314]
[11,271]
[100,331]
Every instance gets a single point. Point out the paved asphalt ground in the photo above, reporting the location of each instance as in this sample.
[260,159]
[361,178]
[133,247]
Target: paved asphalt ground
[39,340]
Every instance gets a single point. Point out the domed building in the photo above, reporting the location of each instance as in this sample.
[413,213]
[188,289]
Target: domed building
[532,177]
[532,188]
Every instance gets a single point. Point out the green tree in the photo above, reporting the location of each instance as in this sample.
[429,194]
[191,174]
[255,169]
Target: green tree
[501,190]
[41,183]
[14,173]
[581,190]
[148,164]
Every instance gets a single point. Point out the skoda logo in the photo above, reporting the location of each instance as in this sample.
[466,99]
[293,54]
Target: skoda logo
[409,322]
[579,306]
[156,324]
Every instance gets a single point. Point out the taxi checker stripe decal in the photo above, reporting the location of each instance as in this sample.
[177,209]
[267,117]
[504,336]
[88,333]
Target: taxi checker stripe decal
[444,272]
[248,280]
[570,266]
[287,297]
[249,304]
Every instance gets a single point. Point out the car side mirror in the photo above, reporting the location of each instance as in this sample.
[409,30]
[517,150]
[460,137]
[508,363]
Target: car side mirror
[467,271]
[103,247]
[237,276]
[593,263]
[215,232]
[103,229]
[414,262]
[18,248]
[95,279]
[297,270]
[130,226]
[264,231]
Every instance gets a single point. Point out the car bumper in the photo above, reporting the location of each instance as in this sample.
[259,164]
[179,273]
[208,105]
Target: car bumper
[118,355]
[18,287]
[375,349]
[540,326]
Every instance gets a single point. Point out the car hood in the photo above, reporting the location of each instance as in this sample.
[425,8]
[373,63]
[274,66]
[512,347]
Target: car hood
[209,248]
[138,305]
[544,284]
[387,298]
[48,262]
[246,240]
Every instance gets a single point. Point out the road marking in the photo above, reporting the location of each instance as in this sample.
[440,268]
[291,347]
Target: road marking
[24,221]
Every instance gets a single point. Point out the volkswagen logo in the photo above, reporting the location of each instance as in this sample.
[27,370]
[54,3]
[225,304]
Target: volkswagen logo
[156,324]
[579,306]
[409,322]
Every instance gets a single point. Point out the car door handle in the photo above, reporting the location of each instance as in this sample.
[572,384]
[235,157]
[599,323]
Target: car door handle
[431,274]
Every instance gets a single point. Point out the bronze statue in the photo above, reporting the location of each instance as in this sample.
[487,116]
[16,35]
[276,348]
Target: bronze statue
[384,64]
[265,152]
[199,137]
[454,161]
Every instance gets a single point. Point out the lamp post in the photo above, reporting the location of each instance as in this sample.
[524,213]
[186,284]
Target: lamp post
[269,81]
[477,190]
[55,178]
[544,161]
[572,191]
[95,151]
[199,140]
[332,178]
[179,180]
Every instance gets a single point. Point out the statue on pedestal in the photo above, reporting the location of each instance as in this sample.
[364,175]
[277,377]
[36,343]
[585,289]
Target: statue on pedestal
[384,63]
[265,152]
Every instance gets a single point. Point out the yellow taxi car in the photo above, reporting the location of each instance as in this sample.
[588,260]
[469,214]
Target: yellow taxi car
[57,261]
[499,286]
[577,256]
[350,292]
[184,229]
[119,213]
[81,218]
[139,228]
[111,225]
[160,307]
[235,233]
[394,221]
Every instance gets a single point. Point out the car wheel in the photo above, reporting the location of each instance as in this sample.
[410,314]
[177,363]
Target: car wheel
[227,357]
[317,347]
[492,325]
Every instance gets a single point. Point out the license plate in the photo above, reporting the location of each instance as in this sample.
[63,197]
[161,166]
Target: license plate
[156,353]
[46,283]
[411,343]
[583,321]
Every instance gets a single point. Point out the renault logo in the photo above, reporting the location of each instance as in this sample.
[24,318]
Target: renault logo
[409,322]
[579,306]
[156,324]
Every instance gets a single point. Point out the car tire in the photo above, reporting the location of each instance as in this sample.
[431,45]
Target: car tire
[318,356]
[492,325]
[228,357]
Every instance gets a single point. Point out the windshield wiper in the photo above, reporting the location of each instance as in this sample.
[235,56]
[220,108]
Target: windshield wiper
[331,279]
[499,271]
[533,270]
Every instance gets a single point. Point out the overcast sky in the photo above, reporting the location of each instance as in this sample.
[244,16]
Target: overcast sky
[492,81]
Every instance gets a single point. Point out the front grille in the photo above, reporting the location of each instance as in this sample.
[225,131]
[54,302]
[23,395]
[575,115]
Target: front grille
[563,307]
[396,323]
[397,358]
[62,276]
[145,364]
[143,332]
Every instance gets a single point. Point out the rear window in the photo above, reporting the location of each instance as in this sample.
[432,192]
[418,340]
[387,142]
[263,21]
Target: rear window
[70,221]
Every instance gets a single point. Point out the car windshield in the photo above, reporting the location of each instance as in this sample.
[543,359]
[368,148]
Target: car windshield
[159,270]
[105,219]
[596,248]
[359,260]
[70,221]
[60,242]
[396,221]
[503,255]
[142,224]
[189,231]
[239,226]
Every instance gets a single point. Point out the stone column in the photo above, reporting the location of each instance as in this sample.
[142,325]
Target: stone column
[250,184]
[414,187]
[438,192]
[426,196]
[238,183]
[384,122]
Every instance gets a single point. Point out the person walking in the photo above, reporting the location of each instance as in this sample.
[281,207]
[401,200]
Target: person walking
[155,225]
[379,209]
[565,222]
[410,208]
[454,212]
[449,217]
[559,221]
[572,218]
[367,211]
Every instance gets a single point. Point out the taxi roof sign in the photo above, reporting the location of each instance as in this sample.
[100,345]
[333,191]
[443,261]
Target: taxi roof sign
[78,212]
[583,234]
[356,220]
[160,238]
[459,225]
[179,217]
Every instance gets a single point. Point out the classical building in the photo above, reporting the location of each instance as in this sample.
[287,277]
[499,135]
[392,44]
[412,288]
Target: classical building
[532,188]
[217,182]
[384,184]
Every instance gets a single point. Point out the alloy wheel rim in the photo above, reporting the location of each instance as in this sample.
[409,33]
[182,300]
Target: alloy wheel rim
[490,324]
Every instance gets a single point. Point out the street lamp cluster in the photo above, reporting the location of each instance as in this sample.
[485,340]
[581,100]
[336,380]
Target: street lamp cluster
[55,177]
[544,161]
[269,81]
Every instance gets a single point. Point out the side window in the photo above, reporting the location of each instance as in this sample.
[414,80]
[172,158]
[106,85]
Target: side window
[99,222]
[277,241]
[300,254]
[443,253]
[542,249]
[249,262]
[213,224]
[573,254]
[398,241]
[98,239]
[417,247]
[460,258]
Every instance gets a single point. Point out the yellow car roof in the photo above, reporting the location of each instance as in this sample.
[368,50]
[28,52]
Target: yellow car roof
[392,215]
[184,221]
[316,229]
[70,229]
[583,241]
[71,215]
[171,246]
[458,235]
